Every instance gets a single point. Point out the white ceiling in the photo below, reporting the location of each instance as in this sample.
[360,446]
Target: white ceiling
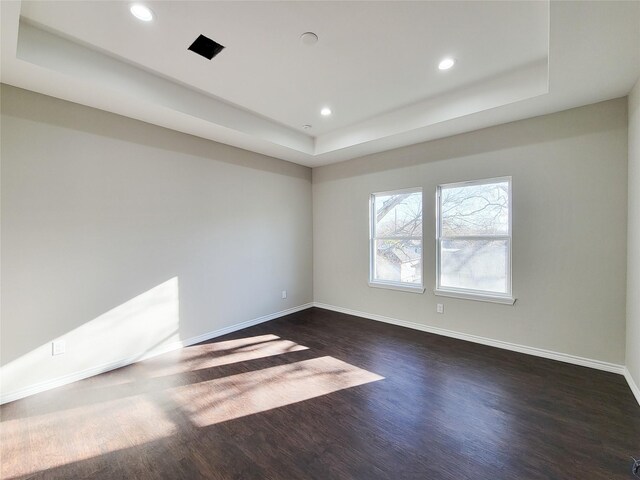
[375,65]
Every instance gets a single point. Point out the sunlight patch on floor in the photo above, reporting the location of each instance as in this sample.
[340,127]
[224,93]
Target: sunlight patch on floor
[210,355]
[40,434]
[42,442]
[236,396]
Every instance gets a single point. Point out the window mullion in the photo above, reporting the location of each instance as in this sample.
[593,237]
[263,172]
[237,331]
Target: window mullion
[475,237]
[397,238]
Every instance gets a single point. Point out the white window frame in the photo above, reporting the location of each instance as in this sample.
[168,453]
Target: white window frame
[465,293]
[402,286]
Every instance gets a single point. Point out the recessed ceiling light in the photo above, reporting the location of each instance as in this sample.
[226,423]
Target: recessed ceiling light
[141,12]
[446,63]
[325,112]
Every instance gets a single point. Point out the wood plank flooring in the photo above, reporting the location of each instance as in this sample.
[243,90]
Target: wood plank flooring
[323,395]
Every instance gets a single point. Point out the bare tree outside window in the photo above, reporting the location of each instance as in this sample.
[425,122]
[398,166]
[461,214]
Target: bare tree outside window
[474,237]
[397,237]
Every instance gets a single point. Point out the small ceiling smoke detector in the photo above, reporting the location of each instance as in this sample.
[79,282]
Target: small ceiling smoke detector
[141,12]
[206,47]
[325,112]
[309,38]
[446,63]
[306,126]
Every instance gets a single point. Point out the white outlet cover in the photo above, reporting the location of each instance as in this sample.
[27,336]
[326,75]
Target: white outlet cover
[284,294]
[58,347]
[440,308]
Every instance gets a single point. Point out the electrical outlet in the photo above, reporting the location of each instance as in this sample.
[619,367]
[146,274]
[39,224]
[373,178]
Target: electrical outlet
[58,347]
[440,308]
[284,294]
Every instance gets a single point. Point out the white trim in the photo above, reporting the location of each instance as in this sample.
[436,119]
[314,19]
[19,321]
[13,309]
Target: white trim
[479,181]
[399,191]
[398,286]
[632,384]
[90,372]
[538,352]
[480,297]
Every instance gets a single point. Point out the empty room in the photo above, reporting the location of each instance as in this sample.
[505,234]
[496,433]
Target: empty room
[322,240]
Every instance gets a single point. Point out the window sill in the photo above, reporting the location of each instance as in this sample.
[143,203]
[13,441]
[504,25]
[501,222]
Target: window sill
[395,286]
[476,296]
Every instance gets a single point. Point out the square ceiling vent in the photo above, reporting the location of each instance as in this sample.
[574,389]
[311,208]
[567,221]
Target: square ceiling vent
[206,47]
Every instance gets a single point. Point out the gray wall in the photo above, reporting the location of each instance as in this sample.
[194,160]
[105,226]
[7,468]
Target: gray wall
[569,174]
[633,259]
[123,237]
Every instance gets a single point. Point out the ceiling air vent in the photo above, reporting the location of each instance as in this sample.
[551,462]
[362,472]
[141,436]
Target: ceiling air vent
[206,47]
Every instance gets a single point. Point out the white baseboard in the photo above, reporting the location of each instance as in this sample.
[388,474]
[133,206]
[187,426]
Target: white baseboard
[538,352]
[90,372]
[632,384]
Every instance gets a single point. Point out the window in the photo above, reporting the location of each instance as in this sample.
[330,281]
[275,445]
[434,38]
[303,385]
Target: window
[474,240]
[396,240]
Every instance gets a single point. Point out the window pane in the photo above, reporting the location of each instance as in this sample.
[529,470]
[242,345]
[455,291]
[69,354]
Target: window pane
[474,264]
[475,209]
[398,261]
[398,215]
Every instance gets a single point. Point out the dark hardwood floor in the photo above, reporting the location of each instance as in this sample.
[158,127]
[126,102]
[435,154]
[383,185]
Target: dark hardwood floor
[322,395]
